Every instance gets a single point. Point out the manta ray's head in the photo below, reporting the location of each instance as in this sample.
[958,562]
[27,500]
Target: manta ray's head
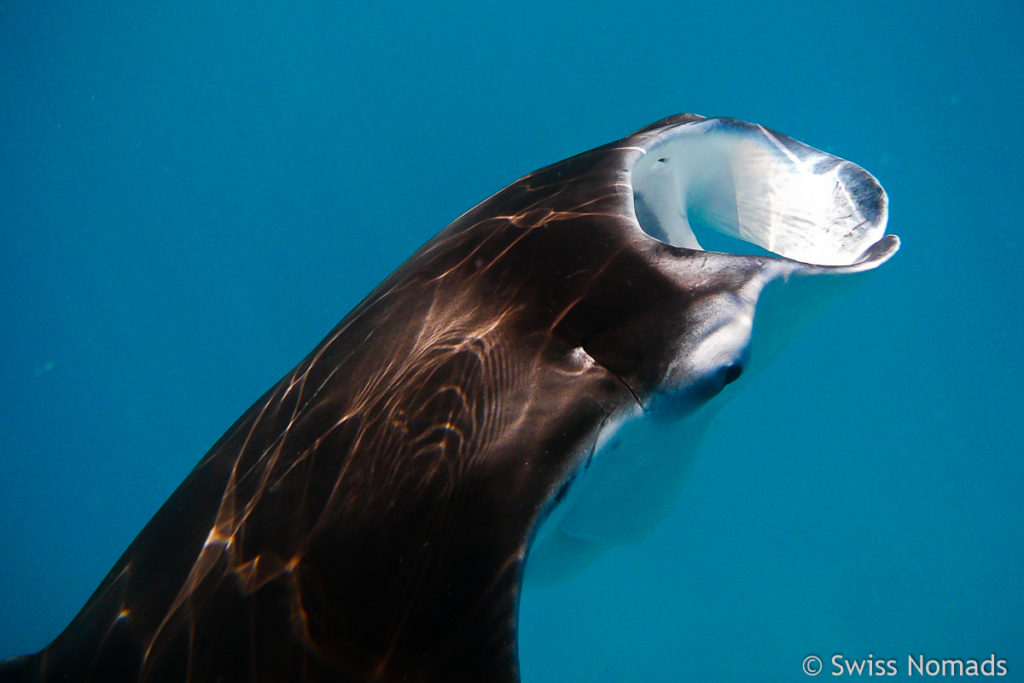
[741,220]
[731,236]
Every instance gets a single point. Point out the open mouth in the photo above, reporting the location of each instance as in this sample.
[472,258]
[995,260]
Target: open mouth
[730,186]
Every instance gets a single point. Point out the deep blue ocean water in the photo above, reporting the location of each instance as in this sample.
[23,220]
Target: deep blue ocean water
[193,194]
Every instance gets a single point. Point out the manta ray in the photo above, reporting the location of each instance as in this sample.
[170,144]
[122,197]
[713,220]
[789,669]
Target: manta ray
[371,516]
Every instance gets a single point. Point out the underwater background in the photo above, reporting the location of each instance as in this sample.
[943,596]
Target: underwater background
[192,194]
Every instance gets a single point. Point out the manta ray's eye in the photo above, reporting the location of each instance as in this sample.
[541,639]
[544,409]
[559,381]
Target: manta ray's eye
[732,373]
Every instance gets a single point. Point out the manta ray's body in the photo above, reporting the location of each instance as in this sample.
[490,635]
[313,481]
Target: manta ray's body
[370,516]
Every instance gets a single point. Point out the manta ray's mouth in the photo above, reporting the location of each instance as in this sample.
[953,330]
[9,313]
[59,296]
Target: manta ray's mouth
[727,185]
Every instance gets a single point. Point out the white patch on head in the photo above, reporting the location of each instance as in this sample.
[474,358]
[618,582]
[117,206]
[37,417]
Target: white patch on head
[719,336]
[745,182]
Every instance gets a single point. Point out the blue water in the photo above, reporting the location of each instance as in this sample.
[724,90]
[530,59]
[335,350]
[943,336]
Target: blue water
[192,194]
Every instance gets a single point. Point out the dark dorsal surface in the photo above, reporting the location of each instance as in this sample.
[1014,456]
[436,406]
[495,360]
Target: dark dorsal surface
[369,517]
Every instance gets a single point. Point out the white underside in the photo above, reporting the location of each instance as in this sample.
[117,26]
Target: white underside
[630,485]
